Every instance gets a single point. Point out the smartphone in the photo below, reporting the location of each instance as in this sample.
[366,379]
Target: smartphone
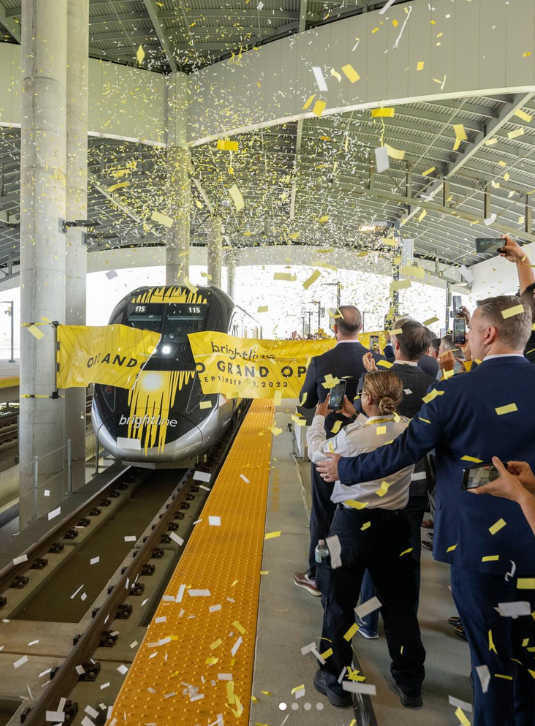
[459,331]
[457,305]
[478,476]
[489,245]
[374,343]
[337,396]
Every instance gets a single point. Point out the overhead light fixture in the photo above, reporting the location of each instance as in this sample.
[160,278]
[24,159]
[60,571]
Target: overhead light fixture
[367,228]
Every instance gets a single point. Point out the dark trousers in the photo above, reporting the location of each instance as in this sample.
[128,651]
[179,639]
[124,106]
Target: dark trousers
[509,701]
[414,514]
[378,549]
[321,514]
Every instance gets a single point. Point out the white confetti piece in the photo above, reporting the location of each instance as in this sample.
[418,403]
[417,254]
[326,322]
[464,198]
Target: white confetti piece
[484,676]
[224,676]
[236,646]
[91,711]
[199,593]
[86,721]
[364,688]
[320,78]
[514,609]
[161,619]
[382,161]
[389,4]
[202,476]
[20,662]
[111,274]
[247,481]
[80,670]
[214,608]
[130,538]
[20,560]
[104,685]
[33,642]
[55,716]
[122,669]
[175,537]
[54,513]
[180,593]
[460,704]
[368,607]
[335,551]
[214,521]
[94,560]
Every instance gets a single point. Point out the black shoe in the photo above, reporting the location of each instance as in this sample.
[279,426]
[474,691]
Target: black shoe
[455,620]
[407,701]
[320,684]
[460,632]
[427,545]
[429,535]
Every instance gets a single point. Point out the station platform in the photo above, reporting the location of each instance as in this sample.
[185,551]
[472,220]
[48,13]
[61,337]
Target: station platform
[224,645]
[9,381]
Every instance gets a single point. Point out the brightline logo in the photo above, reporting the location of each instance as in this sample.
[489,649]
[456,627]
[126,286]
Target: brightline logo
[138,421]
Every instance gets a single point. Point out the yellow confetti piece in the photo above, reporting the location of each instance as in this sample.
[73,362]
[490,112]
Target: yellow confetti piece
[383,489]
[490,558]
[525,583]
[462,717]
[428,171]
[350,73]
[406,552]
[34,330]
[272,535]
[432,395]
[506,678]
[162,219]
[297,688]
[336,427]
[516,133]
[375,30]
[324,219]
[216,644]
[275,431]
[511,408]
[211,660]
[140,55]
[524,116]
[430,321]
[366,525]
[351,632]
[420,66]
[236,197]
[491,643]
[383,112]
[423,215]
[472,458]
[277,398]
[262,309]
[284,276]
[395,23]
[336,75]
[309,101]
[453,547]
[319,108]
[395,153]
[239,627]
[356,505]
[223,145]
[510,312]
[526,54]
[327,654]
[500,524]
[205,404]
[234,583]
[380,430]
[400,285]
[384,364]
[265,572]
[120,185]
[312,279]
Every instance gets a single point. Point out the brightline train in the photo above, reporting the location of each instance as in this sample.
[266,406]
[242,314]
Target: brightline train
[166,419]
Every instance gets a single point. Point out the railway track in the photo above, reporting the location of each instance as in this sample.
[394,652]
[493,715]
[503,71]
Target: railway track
[81,664]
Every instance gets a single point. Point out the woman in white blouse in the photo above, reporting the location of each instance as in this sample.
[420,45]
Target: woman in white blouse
[369,532]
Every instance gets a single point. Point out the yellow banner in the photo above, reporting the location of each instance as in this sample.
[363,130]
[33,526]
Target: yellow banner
[109,354]
[249,368]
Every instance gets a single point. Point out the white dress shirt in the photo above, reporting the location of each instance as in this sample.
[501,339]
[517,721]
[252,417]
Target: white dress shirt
[359,438]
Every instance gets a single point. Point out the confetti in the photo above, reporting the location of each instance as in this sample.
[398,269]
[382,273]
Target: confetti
[272,535]
[516,133]
[162,219]
[312,279]
[34,330]
[236,197]
[383,112]
[511,408]
[350,73]
[510,312]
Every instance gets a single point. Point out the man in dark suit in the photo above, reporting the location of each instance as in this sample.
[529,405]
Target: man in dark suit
[409,346]
[487,541]
[343,361]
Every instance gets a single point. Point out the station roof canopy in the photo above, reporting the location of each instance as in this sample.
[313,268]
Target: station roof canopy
[458,169]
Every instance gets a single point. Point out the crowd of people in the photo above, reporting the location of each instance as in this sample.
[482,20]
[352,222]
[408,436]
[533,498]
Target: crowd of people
[419,427]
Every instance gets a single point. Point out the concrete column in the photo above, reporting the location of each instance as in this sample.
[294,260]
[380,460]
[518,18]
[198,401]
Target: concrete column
[178,182]
[215,251]
[76,256]
[179,201]
[42,262]
[231,273]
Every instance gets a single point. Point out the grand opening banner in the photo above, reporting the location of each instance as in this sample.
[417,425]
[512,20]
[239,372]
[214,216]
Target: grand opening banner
[112,355]
[250,368]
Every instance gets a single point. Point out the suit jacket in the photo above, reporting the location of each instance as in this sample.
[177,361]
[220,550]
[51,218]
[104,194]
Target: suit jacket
[462,421]
[429,365]
[343,361]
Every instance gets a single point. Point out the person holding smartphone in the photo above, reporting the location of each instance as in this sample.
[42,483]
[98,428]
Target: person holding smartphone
[375,535]
[513,252]
[515,482]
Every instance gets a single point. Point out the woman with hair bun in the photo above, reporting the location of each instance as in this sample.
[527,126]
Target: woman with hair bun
[369,531]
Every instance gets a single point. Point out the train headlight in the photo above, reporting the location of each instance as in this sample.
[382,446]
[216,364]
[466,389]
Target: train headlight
[166,349]
[152,381]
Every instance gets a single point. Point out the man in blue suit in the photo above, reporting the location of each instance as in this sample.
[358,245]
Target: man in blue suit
[469,419]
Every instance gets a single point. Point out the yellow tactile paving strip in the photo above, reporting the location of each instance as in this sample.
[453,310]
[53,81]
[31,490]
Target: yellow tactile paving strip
[171,683]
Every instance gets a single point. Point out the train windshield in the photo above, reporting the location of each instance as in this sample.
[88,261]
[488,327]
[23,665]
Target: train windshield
[174,321]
